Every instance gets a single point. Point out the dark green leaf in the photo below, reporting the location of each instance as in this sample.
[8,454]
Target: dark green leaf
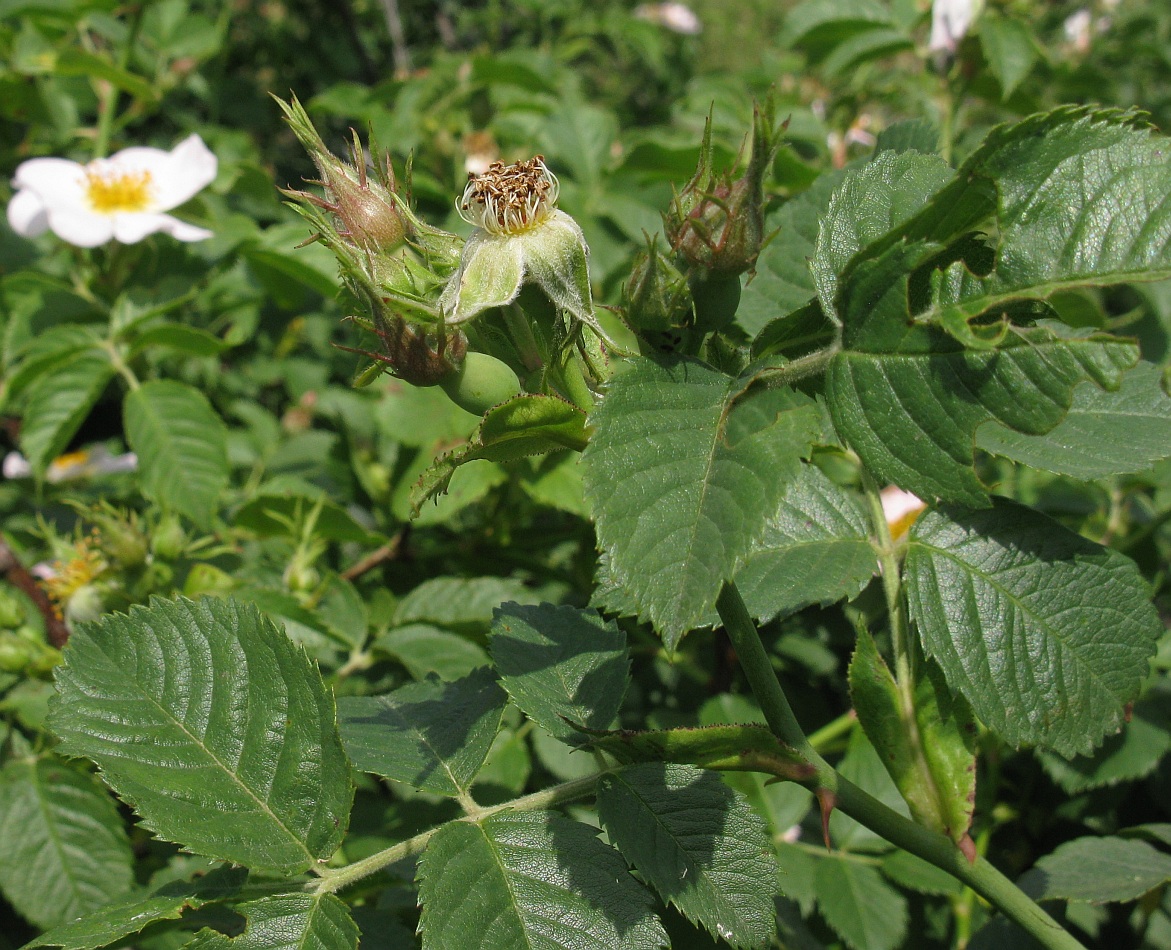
[1104,433]
[461,603]
[530,879]
[702,463]
[431,735]
[58,403]
[287,922]
[815,550]
[63,849]
[908,399]
[118,921]
[1080,200]
[181,446]
[866,912]
[1046,634]
[1103,870]
[561,664]
[1132,754]
[698,844]
[914,873]
[213,726]
[48,350]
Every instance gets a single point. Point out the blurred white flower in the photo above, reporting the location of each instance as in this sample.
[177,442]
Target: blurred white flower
[122,197]
[676,17]
[1077,28]
[82,464]
[900,508]
[950,22]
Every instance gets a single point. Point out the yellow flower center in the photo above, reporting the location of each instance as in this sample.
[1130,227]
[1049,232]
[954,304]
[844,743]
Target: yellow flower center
[110,191]
[509,198]
[72,573]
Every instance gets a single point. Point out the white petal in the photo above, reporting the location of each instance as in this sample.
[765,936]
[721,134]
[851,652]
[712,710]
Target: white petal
[58,182]
[132,228]
[80,227]
[27,215]
[182,173]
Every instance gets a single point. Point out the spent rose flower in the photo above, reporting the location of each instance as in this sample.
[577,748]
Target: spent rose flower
[520,236]
[122,197]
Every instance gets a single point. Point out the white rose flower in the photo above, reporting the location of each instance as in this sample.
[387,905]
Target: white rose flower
[122,197]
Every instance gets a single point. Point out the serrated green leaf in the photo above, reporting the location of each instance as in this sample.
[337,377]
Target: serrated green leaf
[702,464]
[1103,870]
[1080,201]
[909,399]
[815,550]
[57,404]
[528,424]
[865,911]
[928,750]
[1045,633]
[129,916]
[63,848]
[871,203]
[1104,433]
[431,735]
[698,844]
[424,649]
[213,726]
[530,879]
[1010,49]
[1132,754]
[559,664]
[181,445]
[287,922]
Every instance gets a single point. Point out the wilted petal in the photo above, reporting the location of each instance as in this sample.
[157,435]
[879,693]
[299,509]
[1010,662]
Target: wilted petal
[490,273]
[27,215]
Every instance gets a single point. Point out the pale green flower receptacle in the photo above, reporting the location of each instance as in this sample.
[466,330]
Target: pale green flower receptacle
[520,237]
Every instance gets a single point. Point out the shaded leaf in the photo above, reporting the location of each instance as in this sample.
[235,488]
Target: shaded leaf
[63,848]
[287,922]
[213,726]
[865,911]
[559,664]
[431,735]
[530,879]
[131,915]
[1103,870]
[698,844]
[1045,633]
[57,404]
[424,649]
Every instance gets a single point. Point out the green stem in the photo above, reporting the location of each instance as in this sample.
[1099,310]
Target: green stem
[108,106]
[808,365]
[939,850]
[833,731]
[334,879]
[120,365]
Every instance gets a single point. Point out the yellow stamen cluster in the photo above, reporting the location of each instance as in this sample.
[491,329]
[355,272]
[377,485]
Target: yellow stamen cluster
[109,190]
[509,198]
[72,573]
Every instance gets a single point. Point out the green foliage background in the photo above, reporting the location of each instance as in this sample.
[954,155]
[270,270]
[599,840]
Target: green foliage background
[264,474]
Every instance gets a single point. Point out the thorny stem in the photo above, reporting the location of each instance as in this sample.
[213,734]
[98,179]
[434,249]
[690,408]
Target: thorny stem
[864,808]
[332,880]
